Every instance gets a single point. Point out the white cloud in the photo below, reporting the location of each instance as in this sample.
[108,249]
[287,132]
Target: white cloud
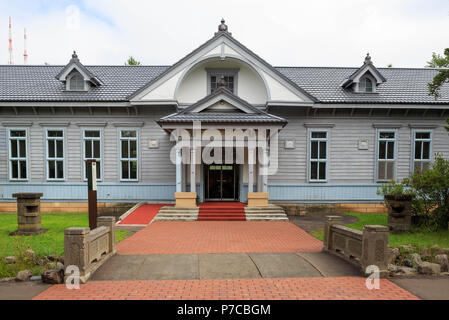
[328,33]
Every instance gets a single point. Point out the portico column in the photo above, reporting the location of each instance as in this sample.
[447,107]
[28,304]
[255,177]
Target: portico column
[264,169]
[178,170]
[193,170]
[250,170]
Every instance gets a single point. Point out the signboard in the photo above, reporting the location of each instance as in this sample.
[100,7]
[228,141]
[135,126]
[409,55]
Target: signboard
[92,192]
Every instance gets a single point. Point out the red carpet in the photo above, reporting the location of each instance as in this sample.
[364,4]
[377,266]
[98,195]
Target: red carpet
[222,211]
[144,214]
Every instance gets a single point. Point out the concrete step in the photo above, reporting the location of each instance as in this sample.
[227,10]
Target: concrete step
[270,213]
[171,213]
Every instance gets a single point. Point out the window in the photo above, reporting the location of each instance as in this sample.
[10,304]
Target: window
[386,155]
[230,76]
[128,155]
[92,150]
[55,154]
[422,150]
[366,85]
[18,154]
[76,83]
[318,156]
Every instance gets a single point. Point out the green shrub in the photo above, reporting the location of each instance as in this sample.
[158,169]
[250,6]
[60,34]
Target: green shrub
[431,189]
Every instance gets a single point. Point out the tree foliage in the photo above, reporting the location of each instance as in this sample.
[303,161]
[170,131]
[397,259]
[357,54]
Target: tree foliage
[442,77]
[132,62]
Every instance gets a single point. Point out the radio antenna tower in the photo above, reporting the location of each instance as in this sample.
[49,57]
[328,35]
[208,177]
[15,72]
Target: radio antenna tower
[10,42]
[25,53]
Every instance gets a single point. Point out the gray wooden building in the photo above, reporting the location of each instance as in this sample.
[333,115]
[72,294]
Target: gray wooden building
[342,131]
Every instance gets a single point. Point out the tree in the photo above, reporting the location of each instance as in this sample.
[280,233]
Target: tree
[442,77]
[132,62]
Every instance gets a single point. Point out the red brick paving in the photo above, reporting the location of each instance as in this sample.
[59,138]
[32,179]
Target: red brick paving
[143,215]
[219,237]
[348,288]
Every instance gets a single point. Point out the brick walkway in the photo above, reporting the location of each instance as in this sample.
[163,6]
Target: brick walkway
[219,237]
[352,288]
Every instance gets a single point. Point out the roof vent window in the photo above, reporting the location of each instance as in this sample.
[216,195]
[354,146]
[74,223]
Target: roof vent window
[76,83]
[366,85]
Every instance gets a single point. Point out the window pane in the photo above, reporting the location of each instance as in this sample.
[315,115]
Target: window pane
[386,135]
[23,169]
[98,170]
[124,149]
[51,148]
[88,149]
[59,149]
[60,168]
[390,153]
[18,133]
[382,149]
[368,85]
[133,149]
[314,170]
[314,150]
[133,174]
[322,170]
[14,169]
[54,133]
[319,135]
[51,169]
[381,170]
[426,150]
[323,150]
[14,153]
[422,135]
[22,145]
[125,170]
[129,134]
[92,134]
[418,145]
[390,170]
[96,149]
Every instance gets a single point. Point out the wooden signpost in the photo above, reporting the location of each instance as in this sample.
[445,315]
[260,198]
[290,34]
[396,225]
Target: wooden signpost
[92,192]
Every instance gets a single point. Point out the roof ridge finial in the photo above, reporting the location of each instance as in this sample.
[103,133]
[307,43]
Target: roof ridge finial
[368,58]
[74,55]
[223,27]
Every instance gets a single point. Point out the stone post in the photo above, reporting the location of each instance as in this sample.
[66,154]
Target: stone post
[110,223]
[28,214]
[330,221]
[76,251]
[375,248]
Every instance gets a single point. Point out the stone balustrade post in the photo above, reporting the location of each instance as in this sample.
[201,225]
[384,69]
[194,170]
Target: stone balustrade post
[375,248]
[330,221]
[76,250]
[110,223]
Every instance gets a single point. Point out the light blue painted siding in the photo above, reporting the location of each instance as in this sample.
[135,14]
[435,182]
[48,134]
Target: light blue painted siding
[72,191]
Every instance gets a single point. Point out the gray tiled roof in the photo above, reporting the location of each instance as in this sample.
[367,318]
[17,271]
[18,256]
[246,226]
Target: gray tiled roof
[403,85]
[38,83]
[222,117]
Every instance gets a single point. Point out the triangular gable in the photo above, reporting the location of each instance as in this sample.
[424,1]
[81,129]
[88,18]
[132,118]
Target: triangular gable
[367,67]
[222,45]
[221,95]
[75,64]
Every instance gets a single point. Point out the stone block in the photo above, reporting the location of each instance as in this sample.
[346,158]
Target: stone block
[258,199]
[186,199]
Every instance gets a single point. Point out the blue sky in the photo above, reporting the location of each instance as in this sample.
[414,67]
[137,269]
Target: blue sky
[285,32]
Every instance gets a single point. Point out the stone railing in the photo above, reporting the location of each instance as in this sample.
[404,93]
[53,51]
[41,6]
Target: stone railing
[367,248]
[89,249]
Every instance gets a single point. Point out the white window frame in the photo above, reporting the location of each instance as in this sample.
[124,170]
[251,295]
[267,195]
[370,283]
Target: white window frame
[10,158]
[100,160]
[69,80]
[310,140]
[232,72]
[129,159]
[430,140]
[394,160]
[47,158]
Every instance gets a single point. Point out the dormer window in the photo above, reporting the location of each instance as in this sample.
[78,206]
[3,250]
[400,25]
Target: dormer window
[214,76]
[76,83]
[366,85]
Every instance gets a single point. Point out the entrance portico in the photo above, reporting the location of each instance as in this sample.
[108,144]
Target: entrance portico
[222,147]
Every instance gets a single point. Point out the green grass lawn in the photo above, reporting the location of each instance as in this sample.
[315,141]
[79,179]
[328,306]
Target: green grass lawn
[51,242]
[417,238]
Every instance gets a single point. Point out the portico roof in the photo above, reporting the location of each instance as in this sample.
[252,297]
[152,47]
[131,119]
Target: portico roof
[239,111]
